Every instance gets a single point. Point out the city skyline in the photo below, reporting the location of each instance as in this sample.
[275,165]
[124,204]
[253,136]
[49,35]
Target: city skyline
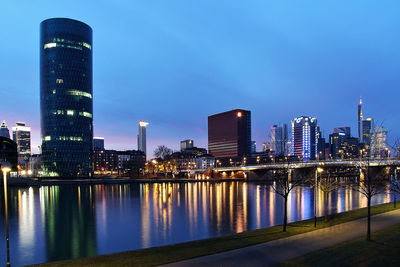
[322,75]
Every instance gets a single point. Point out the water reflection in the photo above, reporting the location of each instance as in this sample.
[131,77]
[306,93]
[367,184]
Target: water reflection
[60,222]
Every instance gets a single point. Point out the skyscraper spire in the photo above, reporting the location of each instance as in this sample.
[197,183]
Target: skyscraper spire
[360,118]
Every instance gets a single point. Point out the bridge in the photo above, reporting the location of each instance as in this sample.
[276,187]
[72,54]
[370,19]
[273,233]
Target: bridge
[342,168]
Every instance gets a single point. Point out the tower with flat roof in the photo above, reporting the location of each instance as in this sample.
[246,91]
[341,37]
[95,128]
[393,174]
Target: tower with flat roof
[229,134]
[66,97]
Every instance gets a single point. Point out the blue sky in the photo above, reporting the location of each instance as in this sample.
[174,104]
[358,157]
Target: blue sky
[173,63]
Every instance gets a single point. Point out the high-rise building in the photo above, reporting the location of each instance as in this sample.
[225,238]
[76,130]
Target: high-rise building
[342,145]
[360,118]
[321,145]
[279,139]
[142,136]
[185,144]
[304,137]
[229,134]
[253,146]
[378,142]
[66,91]
[344,130]
[98,143]
[367,126]
[4,132]
[22,136]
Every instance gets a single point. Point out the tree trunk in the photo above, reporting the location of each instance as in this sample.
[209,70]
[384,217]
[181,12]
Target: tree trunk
[285,215]
[326,206]
[369,219]
[394,202]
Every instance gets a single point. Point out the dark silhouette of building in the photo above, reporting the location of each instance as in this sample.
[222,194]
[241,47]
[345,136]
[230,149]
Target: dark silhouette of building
[342,145]
[98,143]
[229,134]
[66,91]
[8,152]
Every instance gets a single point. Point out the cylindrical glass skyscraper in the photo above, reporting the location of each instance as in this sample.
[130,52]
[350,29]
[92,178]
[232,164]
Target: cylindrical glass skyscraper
[66,97]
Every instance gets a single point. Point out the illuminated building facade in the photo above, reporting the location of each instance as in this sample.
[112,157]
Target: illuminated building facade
[117,162]
[279,139]
[229,134]
[379,147]
[4,132]
[360,118]
[367,126]
[22,136]
[66,91]
[342,145]
[304,137]
[142,136]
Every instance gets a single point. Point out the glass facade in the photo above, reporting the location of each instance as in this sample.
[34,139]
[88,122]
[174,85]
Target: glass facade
[66,91]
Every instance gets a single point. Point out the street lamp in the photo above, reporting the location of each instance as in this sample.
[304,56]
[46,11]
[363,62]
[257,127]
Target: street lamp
[318,170]
[6,167]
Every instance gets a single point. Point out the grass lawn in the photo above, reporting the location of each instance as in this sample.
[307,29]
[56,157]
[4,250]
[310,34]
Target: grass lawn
[384,250]
[182,251]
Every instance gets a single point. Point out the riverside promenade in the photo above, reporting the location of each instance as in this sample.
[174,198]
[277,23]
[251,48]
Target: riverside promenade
[288,248]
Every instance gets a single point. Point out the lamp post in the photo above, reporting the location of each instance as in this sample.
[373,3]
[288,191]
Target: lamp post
[5,167]
[318,170]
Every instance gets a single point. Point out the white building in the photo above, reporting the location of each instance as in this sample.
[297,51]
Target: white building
[142,136]
[22,136]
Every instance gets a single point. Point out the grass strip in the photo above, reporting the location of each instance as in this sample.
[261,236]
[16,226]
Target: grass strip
[182,251]
[383,250]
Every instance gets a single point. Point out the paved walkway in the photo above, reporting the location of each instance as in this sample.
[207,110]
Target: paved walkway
[287,248]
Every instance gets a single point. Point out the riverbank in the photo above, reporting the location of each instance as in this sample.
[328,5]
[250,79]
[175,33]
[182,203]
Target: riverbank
[111,180]
[179,252]
[383,251]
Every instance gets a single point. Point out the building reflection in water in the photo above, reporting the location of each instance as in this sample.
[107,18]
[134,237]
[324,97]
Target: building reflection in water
[69,222]
[60,222]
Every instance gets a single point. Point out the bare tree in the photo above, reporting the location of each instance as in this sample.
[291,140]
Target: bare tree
[327,185]
[369,186]
[163,153]
[395,188]
[282,186]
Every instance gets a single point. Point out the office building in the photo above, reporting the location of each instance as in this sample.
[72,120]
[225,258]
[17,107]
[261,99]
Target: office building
[186,144]
[142,136]
[342,145]
[4,132]
[379,147]
[342,130]
[359,118]
[22,136]
[253,146]
[229,134]
[98,143]
[8,152]
[113,162]
[66,103]
[279,139]
[304,137]
[367,126]
[321,146]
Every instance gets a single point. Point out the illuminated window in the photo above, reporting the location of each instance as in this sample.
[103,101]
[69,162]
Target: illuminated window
[87,45]
[54,91]
[79,93]
[239,114]
[70,112]
[86,114]
[59,81]
[50,45]
[47,138]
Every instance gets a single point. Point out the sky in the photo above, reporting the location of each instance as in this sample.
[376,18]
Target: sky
[174,63]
